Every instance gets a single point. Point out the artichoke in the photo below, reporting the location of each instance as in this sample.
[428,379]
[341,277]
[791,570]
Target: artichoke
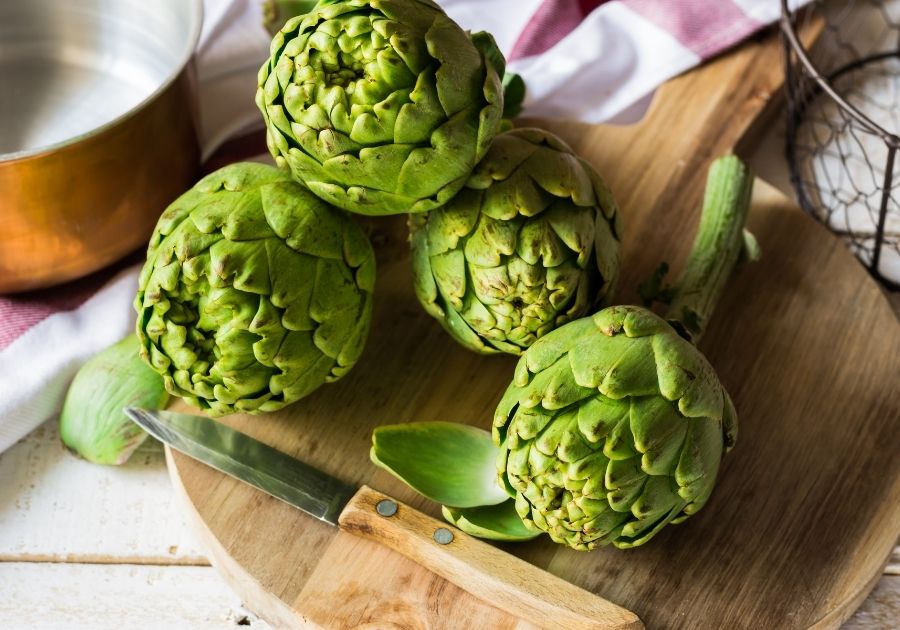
[530,243]
[255,292]
[380,106]
[615,425]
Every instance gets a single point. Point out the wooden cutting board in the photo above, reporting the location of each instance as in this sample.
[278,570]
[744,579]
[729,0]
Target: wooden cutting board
[808,506]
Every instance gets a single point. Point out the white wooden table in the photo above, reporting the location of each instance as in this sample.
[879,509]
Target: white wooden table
[94,547]
[85,546]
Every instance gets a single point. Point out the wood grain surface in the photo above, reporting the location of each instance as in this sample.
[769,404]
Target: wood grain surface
[507,582]
[808,507]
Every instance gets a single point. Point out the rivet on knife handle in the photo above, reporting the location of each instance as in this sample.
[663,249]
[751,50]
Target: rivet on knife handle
[498,578]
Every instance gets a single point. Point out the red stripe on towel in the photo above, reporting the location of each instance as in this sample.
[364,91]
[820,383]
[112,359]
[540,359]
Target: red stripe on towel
[706,28]
[553,20]
[19,313]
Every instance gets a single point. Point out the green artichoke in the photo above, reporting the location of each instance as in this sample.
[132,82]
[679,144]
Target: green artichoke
[380,106]
[530,243]
[615,425]
[255,292]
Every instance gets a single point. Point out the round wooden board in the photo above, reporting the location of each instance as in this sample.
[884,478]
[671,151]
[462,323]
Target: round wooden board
[808,506]
[805,515]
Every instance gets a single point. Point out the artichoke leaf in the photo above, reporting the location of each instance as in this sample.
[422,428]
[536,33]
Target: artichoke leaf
[449,463]
[93,424]
[498,522]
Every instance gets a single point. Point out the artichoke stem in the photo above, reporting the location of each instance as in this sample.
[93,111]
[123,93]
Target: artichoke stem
[717,247]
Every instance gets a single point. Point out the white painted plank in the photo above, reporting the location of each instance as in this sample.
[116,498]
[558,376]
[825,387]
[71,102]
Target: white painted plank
[54,506]
[893,565]
[882,608]
[47,596]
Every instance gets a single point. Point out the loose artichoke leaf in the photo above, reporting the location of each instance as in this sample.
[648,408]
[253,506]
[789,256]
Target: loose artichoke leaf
[449,463]
[93,424]
[493,522]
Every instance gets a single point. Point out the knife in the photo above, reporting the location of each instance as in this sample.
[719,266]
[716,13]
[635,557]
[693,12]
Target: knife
[494,576]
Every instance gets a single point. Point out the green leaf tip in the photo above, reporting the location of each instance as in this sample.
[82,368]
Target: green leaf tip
[513,94]
[751,251]
[655,289]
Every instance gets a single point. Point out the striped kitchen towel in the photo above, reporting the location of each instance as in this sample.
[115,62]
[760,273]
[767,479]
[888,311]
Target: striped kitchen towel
[594,60]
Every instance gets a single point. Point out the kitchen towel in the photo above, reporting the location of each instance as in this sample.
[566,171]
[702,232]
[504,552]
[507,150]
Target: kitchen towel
[594,60]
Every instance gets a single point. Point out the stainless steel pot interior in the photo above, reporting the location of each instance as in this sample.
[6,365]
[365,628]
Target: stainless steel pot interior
[71,67]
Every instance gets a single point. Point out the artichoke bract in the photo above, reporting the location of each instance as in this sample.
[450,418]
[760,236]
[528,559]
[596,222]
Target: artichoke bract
[255,292]
[380,106]
[93,424]
[530,243]
[615,425]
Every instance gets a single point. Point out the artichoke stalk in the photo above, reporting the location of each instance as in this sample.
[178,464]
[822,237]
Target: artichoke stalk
[615,425]
[380,106]
[255,292]
[530,243]
[92,424]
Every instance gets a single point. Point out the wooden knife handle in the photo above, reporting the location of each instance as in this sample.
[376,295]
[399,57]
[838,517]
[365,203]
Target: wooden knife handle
[501,579]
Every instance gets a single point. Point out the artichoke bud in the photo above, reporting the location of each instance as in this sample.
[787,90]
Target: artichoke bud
[530,243]
[255,292]
[92,423]
[380,107]
[614,426]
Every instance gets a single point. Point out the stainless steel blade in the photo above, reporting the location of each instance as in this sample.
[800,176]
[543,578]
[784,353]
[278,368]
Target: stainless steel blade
[234,453]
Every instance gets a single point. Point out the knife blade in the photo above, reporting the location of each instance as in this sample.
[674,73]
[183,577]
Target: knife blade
[234,453]
[500,579]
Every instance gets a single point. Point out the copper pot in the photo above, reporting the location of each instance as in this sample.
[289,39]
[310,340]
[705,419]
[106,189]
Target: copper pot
[98,130]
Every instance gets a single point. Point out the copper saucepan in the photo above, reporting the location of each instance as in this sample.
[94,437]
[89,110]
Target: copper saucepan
[97,130]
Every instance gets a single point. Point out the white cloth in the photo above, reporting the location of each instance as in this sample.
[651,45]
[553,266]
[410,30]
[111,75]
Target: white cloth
[233,45]
[36,369]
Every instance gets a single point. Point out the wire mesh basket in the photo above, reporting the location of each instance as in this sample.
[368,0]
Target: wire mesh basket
[843,106]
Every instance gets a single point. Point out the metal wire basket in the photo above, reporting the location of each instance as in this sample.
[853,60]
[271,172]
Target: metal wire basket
[843,106]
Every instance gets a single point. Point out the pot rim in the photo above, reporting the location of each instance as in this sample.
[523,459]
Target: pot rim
[190,48]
